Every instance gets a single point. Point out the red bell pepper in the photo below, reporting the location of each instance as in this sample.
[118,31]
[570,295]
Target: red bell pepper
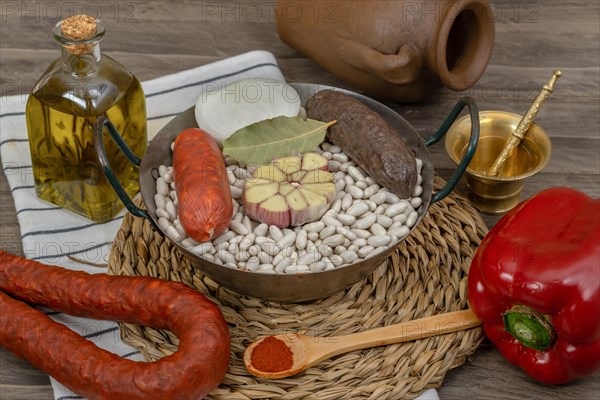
[535,284]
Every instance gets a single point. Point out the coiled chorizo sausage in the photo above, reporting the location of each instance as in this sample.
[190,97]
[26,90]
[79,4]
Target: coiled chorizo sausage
[196,368]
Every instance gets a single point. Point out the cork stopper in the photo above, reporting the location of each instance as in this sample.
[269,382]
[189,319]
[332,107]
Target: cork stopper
[79,27]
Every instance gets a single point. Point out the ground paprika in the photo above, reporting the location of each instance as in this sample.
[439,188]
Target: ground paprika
[535,284]
[272,355]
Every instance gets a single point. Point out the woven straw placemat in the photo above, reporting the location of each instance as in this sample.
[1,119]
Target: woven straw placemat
[426,275]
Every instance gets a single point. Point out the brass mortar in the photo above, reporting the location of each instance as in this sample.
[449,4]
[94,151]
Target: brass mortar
[498,194]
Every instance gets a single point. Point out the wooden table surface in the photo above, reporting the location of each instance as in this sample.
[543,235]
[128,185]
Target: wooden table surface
[156,37]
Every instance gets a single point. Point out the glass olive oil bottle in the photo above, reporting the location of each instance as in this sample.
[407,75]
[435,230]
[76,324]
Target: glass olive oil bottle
[61,112]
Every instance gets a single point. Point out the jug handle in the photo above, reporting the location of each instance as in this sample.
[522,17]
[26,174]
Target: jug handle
[473,141]
[400,68]
[102,122]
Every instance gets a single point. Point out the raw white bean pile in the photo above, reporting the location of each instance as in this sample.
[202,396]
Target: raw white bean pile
[363,221]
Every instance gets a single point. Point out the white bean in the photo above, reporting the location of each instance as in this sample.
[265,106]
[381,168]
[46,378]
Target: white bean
[287,239]
[252,263]
[333,166]
[160,213]
[254,250]
[310,246]
[160,201]
[378,240]
[378,229]
[275,232]
[355,192]
[264,257]
[309,258]
[224,237]
[361,233]
[353,248]
[189,243]
[346,232]
[396,208]
[333,240]
[181,231]
[326,154]
[380,210]
[328,264]
[331,221]
[416,202]
[312,236]
[419,165]
[246,221]
[340,157]
[412,218]
[162,187]
[358,209]
[391,197]
[292,269]
[239,228]
[202,248]
[417,191]
[360,242]
[162,170]
[242,255]
[264,268]
[261,229]
[340,249]
[340,185]
[400,218]
[247,241]
[301,239]
[346,201]
[349,181]
[238,217]
[384,221]
[236,192]
[164,223]
[282,265]
[362,185]
[400,231]
[231,177]
[317,266]
[226,256]
[378,198]
[365,250]
[355,174]
[336,260]
[325,250]
[349,256]
[330,147]
[366,221]
[315,226]
[370,191]
[327,231]
[209,257]
[372,205]
[336,206]
[173,195]
[270,248]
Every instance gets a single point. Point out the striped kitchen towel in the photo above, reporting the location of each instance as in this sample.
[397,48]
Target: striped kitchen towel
[58,237]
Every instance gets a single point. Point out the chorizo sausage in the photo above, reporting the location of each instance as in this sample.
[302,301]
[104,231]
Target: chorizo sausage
[196,368]
[368,139]
[205,204]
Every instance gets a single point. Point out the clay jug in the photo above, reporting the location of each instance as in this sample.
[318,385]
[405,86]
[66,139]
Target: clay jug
[393,50]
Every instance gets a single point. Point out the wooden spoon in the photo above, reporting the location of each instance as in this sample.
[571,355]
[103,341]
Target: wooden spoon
[310,350]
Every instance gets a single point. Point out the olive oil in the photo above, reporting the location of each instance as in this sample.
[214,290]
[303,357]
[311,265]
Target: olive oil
[61,112]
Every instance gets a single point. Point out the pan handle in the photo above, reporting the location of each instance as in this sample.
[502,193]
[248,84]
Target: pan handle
[102,122]
[474,139]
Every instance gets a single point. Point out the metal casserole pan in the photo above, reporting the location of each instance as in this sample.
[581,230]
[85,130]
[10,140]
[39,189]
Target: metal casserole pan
[281,287]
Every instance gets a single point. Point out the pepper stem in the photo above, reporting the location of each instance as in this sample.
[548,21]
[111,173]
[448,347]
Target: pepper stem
[529,327]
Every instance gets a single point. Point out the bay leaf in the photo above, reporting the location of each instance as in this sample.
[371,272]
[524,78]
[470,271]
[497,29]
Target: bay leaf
[272,138]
